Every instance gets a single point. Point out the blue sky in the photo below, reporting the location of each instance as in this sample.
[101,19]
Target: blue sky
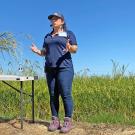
[105,29]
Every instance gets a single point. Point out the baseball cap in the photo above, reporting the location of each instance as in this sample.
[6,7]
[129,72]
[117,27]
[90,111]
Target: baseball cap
[57,15]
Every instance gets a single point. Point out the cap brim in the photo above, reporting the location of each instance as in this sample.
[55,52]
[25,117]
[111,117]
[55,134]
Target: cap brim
[51,16]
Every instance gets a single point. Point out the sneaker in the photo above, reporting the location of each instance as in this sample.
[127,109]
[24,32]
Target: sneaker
[67,126]
[54,125]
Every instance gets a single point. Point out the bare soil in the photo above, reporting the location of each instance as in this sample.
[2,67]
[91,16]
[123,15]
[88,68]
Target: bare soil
[12,127]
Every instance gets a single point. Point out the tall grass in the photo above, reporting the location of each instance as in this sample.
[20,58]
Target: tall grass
[105,99]
[96,99]
[8,43]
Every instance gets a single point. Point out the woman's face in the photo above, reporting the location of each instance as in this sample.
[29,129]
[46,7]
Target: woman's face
[56,22]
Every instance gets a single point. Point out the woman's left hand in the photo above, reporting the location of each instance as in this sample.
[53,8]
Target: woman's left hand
[68,46]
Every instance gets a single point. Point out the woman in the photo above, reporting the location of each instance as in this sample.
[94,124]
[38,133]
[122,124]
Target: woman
[57,48]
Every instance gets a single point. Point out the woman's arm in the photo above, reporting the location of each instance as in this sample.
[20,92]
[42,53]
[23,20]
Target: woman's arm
[71,48]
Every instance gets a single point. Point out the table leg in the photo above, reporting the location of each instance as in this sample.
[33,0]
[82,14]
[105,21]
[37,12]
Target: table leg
[33,101]
[21,103]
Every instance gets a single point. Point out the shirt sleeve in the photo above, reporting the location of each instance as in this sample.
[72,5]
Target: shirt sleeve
[72,38]
[44,44]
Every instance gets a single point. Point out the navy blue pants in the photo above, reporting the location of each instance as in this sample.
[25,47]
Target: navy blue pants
[59,82]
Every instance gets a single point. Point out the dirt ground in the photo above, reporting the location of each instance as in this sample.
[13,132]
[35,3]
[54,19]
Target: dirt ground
[12,127]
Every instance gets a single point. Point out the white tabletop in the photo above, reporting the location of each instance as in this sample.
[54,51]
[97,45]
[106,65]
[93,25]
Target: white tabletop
[17,78]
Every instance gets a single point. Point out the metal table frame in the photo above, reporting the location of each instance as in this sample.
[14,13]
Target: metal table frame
[21,79]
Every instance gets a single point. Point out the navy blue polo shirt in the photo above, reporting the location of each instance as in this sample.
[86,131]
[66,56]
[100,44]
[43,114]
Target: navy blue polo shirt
[54,46]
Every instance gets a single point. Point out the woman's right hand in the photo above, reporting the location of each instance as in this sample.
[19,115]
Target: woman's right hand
[34,48]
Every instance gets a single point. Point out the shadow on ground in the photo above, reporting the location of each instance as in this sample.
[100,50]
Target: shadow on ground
[12,127]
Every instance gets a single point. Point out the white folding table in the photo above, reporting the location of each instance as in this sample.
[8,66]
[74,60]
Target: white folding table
[21,79]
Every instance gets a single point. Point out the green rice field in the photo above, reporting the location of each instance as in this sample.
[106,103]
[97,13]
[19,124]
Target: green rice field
[97,99]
